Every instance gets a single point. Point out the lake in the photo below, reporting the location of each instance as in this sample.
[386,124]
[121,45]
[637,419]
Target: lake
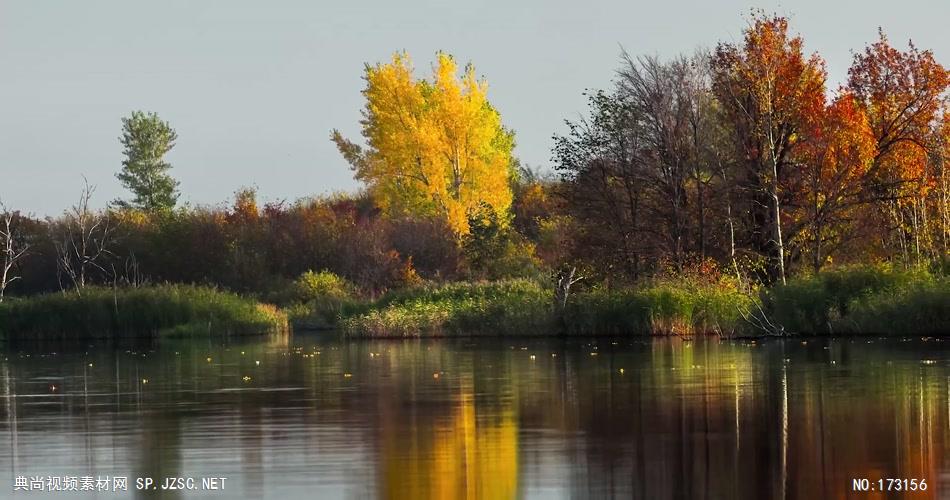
[315,416]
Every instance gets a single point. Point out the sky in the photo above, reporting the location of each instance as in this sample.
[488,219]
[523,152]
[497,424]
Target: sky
[254,88]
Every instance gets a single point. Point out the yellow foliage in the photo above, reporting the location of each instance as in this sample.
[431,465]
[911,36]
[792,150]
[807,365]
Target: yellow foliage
[436,147]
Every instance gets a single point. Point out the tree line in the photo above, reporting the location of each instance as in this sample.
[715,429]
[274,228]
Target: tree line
[738,160]
[743,155]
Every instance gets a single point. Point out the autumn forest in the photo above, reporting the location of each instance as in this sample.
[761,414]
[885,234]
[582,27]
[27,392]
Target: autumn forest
[727,191]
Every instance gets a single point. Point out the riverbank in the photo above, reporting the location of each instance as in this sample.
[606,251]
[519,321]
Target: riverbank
[858,300]
[161,310]
[524,307]
[848,301]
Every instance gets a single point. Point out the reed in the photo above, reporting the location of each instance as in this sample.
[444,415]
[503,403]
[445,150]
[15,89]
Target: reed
[136,312]
[836,301]
[524,307]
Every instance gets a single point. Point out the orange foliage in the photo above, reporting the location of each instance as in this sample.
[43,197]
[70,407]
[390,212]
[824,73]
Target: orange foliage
[902,94]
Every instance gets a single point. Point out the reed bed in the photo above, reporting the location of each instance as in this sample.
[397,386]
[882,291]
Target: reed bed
[137,312]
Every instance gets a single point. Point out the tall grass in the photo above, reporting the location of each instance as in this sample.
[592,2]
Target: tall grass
[147,311]
[865,299]
[317,300]
[510,307]
[523,307]
[919,309]
[659,309]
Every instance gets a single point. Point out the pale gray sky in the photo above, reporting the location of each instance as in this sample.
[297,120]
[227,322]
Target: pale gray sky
[254,87]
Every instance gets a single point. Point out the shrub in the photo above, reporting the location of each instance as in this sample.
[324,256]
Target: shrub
[317,300]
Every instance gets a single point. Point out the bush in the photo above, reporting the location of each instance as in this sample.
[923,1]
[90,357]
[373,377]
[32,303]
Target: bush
[134,312]
[317,300]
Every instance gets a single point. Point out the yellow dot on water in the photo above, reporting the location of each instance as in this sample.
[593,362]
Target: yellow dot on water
[347,375]
[209,360]
[246,378]
[621,371]
[242,353]
[593,354]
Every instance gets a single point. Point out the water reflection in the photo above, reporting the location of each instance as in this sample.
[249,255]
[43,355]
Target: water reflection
[313,416]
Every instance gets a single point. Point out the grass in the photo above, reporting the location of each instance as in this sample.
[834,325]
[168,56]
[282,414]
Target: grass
[510,307]
[659,309]
[132,312]
[317,300]
[854,300]
[524,307]
[851,300]
[862,300]
[919,309]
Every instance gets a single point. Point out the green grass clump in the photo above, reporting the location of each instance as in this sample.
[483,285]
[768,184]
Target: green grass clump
[659,309]
[509,307]
[524,307]
[817,304]
[317,300]
[131,312]
[919,309]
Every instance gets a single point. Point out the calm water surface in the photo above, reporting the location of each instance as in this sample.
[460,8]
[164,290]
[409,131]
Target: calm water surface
[318,417]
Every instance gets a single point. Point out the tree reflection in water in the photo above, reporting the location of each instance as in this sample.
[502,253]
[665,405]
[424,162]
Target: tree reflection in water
[639,418]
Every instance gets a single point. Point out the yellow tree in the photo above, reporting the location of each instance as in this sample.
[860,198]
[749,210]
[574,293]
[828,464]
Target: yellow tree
[435,147]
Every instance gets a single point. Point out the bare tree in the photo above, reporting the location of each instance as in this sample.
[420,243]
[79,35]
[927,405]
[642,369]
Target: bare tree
[83,242]
[14,246]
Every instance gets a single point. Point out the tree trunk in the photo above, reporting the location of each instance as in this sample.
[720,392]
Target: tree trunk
[777,222]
